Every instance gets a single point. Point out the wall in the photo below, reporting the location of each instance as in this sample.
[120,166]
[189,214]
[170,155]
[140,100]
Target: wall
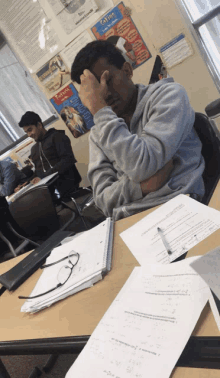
[158,21]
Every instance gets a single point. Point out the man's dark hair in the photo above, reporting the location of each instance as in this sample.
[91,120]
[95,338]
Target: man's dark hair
[89,55]
[30,118]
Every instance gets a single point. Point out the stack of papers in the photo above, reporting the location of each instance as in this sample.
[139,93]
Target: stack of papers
[146,328]
[94,248]
[183,222]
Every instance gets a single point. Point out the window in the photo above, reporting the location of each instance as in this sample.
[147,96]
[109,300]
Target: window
[204,17]
[19,93]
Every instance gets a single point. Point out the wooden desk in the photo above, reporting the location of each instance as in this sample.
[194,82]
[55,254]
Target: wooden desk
[79,314]
[75,316]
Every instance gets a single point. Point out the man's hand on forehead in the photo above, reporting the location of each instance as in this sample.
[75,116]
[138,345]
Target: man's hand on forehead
[92,92]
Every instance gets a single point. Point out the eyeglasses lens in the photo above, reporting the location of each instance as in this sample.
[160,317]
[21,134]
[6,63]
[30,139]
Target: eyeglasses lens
[64,274]
[73,258]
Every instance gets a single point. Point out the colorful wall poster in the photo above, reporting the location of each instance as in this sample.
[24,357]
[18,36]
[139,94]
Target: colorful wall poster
[118,27]
[76,116]
[23,152]
[54,74]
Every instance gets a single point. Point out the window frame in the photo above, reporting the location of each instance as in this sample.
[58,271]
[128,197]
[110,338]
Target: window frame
[193,27]
[54,117]
[13,145]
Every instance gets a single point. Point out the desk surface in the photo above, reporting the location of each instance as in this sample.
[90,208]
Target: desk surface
[79,314]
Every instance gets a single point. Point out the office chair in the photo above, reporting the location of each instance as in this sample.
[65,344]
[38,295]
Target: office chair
[210,152]
[84,204]
[35,212]
[7,224]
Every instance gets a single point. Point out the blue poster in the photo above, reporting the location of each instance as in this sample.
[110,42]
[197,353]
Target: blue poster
[76,116]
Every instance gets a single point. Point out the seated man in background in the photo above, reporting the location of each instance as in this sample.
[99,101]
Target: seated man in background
[51,153]
[143,148]
[10,178]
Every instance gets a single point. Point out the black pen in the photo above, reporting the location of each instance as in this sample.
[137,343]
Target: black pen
[166,245]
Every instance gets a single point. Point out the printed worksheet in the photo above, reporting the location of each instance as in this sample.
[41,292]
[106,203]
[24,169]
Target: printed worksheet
[182,222]
[147,326]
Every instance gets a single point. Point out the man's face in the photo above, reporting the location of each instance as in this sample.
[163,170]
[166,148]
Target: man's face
[128,46]
[120,87]
[34,132]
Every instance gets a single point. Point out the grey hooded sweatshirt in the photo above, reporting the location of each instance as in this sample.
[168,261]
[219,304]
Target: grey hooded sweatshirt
[161,128]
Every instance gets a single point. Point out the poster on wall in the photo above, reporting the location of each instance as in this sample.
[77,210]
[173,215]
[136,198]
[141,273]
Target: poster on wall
[23,152]
[176,51]
[54,75]
[118,28]
[72,13]
[76,116]
[70,18]
[28,30]
[70,52]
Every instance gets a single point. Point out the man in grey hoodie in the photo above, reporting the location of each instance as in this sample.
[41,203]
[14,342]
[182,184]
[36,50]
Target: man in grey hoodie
[143,148]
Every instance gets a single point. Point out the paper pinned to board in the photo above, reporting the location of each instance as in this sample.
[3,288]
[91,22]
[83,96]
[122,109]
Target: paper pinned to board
[176,51]
[70,51]
[184,223]
[72,18]
[147,326]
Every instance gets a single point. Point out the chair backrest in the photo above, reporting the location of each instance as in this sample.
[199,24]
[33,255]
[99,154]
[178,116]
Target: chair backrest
[210,152]
[35,213]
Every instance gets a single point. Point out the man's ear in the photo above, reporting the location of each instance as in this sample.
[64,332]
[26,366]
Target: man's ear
[39,124]
[128,70]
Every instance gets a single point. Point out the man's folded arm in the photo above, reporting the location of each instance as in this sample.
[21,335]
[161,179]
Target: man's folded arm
[140,157]
[111,192]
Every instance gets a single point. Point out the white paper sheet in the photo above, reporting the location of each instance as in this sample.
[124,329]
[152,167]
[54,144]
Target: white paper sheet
[69,53]
[184,223]
[208,267]
[58,18]
[26,27]
[176,51]
[148,325]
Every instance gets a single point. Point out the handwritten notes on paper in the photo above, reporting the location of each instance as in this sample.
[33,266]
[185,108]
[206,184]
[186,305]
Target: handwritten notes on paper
[184,223]
[147,326]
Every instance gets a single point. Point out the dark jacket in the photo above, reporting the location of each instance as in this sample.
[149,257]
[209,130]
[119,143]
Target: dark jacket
[54,154]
